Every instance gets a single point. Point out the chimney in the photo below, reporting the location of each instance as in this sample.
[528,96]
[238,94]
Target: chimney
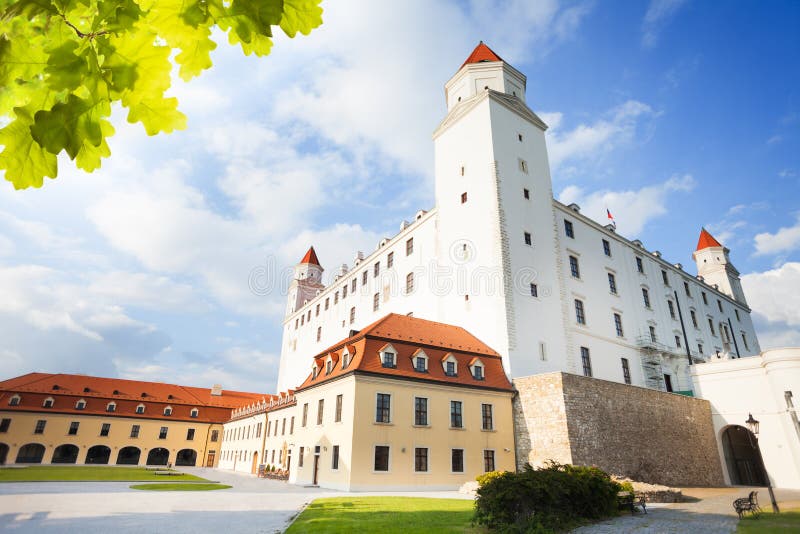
[216,390]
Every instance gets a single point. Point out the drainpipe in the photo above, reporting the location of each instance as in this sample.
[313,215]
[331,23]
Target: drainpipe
[683,329]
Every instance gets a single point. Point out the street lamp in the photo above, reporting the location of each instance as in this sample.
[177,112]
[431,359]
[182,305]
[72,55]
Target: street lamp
[753,424]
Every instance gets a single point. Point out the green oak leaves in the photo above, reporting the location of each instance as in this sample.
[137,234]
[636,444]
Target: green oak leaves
[65,63]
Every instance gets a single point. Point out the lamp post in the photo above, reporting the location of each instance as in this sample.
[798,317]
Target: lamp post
[753,425]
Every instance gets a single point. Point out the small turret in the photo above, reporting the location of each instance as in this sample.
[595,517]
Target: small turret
[306,283]
[715,267]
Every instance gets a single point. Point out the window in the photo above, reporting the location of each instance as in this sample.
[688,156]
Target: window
[258,430]
[135,431]
[73,428]
[387,359]
[381,458]
[316,312]
[488,461]
[519,136]
[305,414]
[40,424]
[653,334]
[612,283]
[105,429]
[345,360]
[542,351]
[618,325]
[477,372]
[694,317]
[573,267]
[664,277]
[354,282]
[48,403]
[626,370]
[344,292]
[606,248]
[719,305]
[376,269]
[705,298]
[190,434]
[711,326]
[462,167]
[328,302]
[486,417]
[421,459]
[639,265]
[523,166]
[383,408]
[668,383]
[14,401]
[456,420]
[457,461]
[336,298]
[194,413]
[409,246]
[291,426]
[678,341]
[686,289]
[450,368]
[580,316]
[671,307]
[421,411]
[140,408]
[646,297]
[464,198]
[568,229]
[586,360]
[409,283]
[303,317]
[320,410]
[335,458]
[80,405]
[419,364]
[338,415]
[364,278]
[534,290]
[700,348]
[111,407]
[215,435]
[527,236]
[4,424]
[319,333]
[376,301]
[300,459]
[744,340]
[526,193]
[352,315]
[162,433]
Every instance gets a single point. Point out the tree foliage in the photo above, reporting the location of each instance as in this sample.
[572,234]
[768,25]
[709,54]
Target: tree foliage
[64,63]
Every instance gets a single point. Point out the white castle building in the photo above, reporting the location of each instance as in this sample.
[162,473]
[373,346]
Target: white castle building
[547,287]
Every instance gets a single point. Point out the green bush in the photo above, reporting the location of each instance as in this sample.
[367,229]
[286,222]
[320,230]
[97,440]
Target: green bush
[552,498]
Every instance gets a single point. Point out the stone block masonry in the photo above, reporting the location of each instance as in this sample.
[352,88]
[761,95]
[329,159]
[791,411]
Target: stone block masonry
[644,434]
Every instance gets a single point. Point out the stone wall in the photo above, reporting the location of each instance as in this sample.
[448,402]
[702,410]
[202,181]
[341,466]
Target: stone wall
[647,435]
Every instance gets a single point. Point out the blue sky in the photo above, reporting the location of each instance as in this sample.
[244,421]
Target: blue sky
[674,114]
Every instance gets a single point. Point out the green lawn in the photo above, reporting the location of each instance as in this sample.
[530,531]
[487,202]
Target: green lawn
[768,523]
[47,473]
[386,515]
[192,486]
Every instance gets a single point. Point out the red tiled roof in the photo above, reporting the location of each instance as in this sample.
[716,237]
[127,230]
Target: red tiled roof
[706,240]
[310,257]
[66,390]
[406,334]
[481,54]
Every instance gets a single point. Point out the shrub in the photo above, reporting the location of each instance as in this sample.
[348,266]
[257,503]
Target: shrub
[552,498]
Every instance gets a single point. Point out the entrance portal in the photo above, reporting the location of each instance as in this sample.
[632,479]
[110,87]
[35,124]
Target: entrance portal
[158,456]
[742,457]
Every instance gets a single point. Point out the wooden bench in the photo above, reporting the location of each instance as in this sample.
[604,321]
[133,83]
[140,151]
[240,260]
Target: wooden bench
[630,501]
[747,504]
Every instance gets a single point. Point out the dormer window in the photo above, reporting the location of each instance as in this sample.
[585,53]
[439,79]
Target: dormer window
[476,368]
[168,411]
[328,366]
[86,390]
[140,409]
[194,413]
[450,365]
[80,405]
[48,402]
[388,356]
[111,407]
[14,401]
[420,361]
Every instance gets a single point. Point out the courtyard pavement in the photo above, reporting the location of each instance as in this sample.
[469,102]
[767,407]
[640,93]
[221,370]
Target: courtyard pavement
[255,505]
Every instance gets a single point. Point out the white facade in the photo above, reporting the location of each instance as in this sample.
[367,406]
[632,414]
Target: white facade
[495,230]
[765,387]
[243,443]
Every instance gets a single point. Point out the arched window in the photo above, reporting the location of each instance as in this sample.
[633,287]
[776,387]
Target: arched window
[140,408]
[168,410]
[194,413]
[80,405]
[48,402]
[14,401]
[111,407]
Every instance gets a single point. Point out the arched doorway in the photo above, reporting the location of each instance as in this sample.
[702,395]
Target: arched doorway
[32,453]
[742,457]
[3,453]
[158,456]
[254,467]
[186,457]
[65,454]
[128,456]
[99,454]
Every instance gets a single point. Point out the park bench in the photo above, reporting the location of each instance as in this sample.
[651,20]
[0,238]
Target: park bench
[747,504]
[630,501]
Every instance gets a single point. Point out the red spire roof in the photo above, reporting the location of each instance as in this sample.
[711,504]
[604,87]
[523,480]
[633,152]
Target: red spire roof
[706,240]
[310,257]
[480,54]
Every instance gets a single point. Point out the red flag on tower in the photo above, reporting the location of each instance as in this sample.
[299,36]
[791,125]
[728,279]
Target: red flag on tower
[611,218]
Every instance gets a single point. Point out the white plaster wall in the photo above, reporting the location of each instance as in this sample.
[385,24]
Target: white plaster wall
[237,448]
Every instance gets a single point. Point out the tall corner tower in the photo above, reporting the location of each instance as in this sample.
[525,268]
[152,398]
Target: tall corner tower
[714,265]
[495,222]
[307,281]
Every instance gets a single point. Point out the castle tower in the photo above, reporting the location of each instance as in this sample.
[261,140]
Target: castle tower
[495,214]
[306,283]
[714,265]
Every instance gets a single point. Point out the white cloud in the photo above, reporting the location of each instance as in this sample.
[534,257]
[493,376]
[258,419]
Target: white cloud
[588,141]
[146,290]
[632,209]
[774,296]
[658,14]
[786,239]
